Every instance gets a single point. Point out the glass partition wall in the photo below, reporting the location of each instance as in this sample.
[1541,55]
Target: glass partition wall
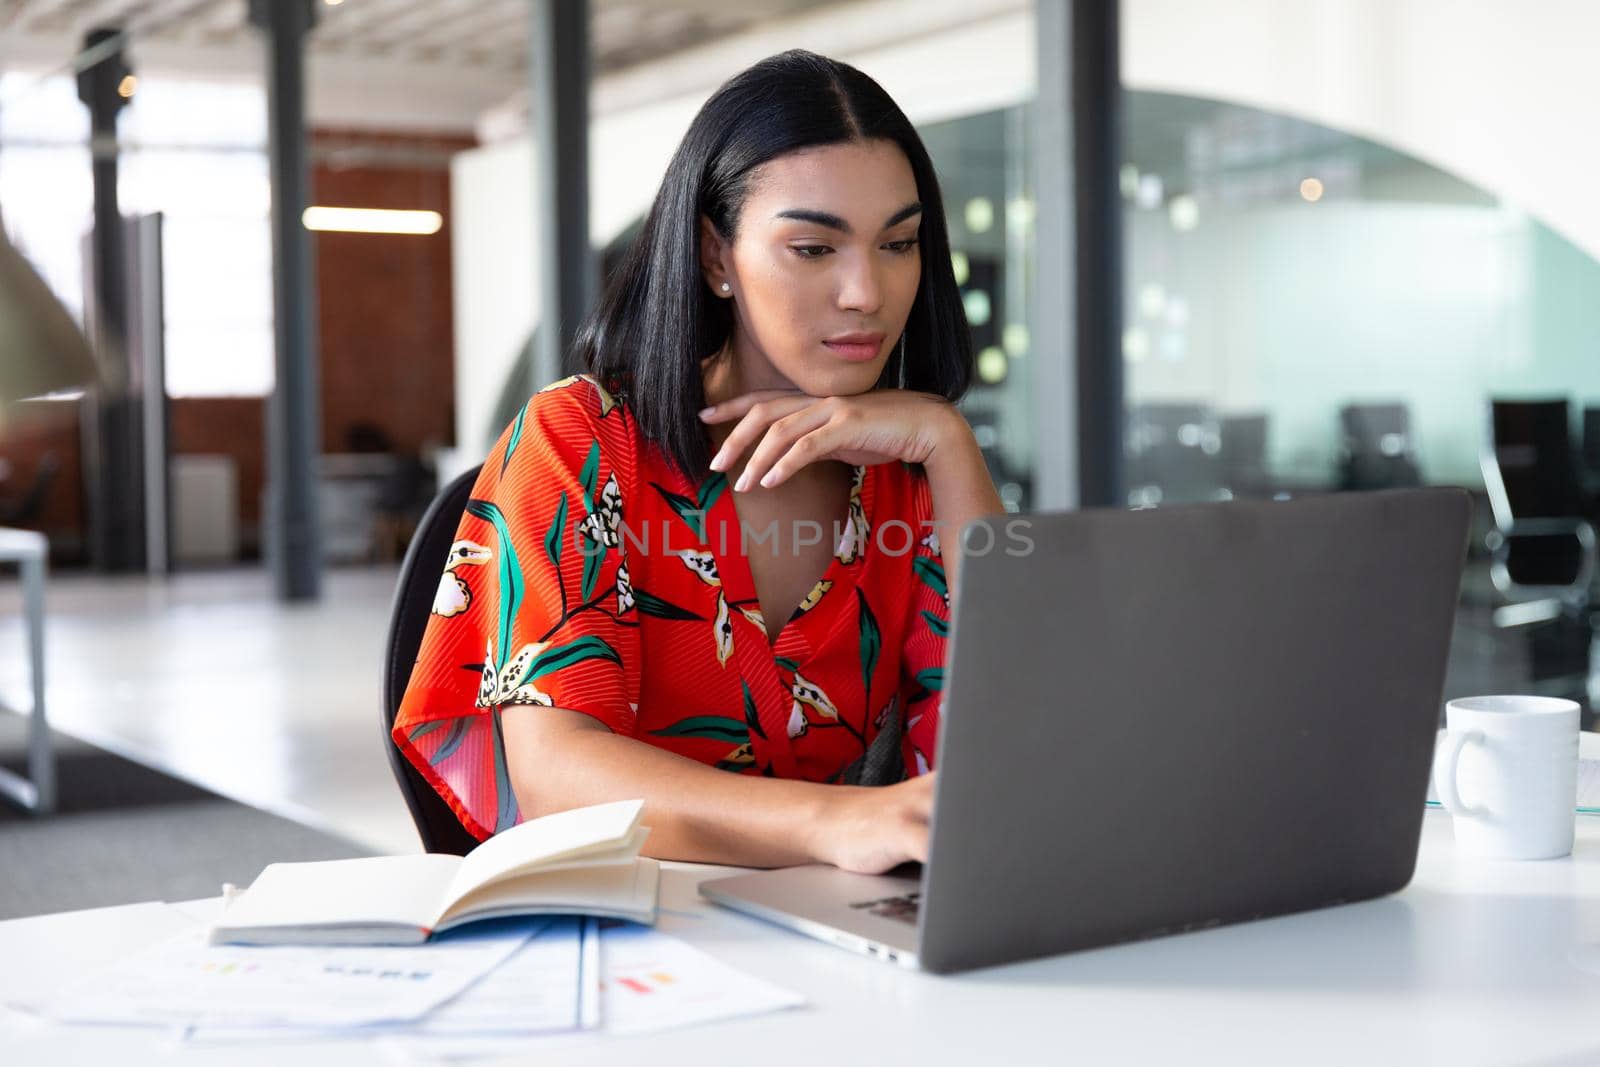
[1307,311]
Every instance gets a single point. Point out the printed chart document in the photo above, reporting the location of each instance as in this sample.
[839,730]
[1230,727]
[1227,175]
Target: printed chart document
[541,989]
[580,862]
[651,981]
[184,980]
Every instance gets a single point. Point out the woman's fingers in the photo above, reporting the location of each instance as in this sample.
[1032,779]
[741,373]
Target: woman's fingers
[789,444]
[736,407]
[752,424]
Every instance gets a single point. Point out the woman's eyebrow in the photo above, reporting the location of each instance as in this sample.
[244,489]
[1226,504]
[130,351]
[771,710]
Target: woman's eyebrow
[834,222]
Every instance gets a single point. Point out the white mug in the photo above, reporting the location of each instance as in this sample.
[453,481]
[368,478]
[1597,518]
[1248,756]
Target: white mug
[1506,769]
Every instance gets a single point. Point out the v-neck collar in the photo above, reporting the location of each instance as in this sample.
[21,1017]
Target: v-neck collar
[757,659]
[798,634]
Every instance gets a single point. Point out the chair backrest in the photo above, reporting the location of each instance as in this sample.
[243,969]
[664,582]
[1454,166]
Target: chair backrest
[1378,449]
[1591,440]
[1243,452]
[1376,429]
[26,507]
[424,562]
[1531,445]
[1172,454]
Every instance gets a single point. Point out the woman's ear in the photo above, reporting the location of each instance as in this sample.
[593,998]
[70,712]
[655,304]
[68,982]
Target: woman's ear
[714,251]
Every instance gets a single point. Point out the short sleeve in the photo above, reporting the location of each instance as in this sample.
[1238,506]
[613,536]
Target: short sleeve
[534,606]
[922,659]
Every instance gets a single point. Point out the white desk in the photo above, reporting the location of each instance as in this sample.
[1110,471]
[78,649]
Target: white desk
[1469,965]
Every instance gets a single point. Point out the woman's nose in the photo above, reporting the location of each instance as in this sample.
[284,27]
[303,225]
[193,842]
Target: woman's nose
[859,288]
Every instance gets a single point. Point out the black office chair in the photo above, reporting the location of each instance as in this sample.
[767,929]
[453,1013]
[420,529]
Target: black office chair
[1378,451]
[1591,449]
[1543,544]
[1244,455]
[1173,455]
[23,509]
[437,825]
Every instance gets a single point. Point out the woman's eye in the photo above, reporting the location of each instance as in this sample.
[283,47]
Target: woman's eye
[810,251]
[902,247]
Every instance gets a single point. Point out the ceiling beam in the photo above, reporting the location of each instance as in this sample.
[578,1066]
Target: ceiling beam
[31,14]
[348,22]
[384,38]
[482,23]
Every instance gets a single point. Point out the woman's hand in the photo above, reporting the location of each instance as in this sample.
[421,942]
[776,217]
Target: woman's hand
[790,429]
[870,829]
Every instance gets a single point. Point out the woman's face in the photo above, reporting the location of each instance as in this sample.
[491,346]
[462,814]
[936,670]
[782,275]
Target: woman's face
[823,268]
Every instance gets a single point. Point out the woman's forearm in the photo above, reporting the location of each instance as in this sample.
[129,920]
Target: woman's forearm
[695,812]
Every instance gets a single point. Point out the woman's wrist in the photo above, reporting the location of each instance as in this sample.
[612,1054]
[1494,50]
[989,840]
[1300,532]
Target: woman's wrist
[830,824]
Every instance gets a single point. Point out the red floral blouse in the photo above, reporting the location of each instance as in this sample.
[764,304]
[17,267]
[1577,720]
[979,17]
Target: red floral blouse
[588,573]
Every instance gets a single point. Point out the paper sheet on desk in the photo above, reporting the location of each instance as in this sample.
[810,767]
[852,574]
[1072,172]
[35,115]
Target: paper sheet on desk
[652,982]
[186,981]
[1588,802]
[546,987]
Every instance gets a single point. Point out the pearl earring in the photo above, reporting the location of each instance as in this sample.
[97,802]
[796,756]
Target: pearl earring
[726,287]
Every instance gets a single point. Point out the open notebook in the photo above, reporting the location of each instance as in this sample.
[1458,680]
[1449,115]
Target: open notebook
[580,862]
[1588,775]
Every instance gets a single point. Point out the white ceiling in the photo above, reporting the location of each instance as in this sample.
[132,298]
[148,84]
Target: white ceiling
[400,64]
[473,35]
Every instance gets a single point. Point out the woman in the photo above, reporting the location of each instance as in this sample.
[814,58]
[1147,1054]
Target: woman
[719,551]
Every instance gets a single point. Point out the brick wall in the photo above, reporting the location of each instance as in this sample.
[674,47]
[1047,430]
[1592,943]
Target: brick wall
[384,330]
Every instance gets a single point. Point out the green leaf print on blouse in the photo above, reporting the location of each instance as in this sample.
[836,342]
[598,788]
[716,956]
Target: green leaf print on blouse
[871,642]
[931,571]
[713,727]
[650,604]
[555,539]
[936,624]
[693,512]
[510,575]
[752,717]
[515,439]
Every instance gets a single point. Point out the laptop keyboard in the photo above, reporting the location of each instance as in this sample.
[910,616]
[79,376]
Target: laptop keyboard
[901,908]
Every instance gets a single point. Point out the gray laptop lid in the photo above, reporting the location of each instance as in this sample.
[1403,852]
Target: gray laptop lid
[1171,719]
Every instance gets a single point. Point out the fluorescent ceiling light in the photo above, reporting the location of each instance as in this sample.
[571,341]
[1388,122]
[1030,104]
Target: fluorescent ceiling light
[371,220]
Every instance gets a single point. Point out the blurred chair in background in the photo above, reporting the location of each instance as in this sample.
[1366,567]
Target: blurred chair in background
[1174,455]
[42,351]
[1377,449]
[1243,455]
[23,508]
[1590,472]
[415,590]
[1543,548]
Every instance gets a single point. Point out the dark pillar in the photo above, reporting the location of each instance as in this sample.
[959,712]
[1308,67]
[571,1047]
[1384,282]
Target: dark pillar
[293,417]
[113,467]
[1097,159]
[558,73]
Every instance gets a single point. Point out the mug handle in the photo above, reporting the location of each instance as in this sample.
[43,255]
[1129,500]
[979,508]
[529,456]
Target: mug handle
[1444,771]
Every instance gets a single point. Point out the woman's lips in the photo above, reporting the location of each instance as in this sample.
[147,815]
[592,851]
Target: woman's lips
[856,347]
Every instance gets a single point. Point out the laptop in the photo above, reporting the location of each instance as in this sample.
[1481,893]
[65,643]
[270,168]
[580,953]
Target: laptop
[1165,720]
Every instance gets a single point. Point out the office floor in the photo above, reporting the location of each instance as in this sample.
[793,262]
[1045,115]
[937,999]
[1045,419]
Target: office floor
[208,678]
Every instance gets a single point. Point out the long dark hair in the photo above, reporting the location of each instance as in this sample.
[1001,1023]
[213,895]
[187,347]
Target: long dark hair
[657,319]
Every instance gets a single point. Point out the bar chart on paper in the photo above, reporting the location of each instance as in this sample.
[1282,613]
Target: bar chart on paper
[653,981]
